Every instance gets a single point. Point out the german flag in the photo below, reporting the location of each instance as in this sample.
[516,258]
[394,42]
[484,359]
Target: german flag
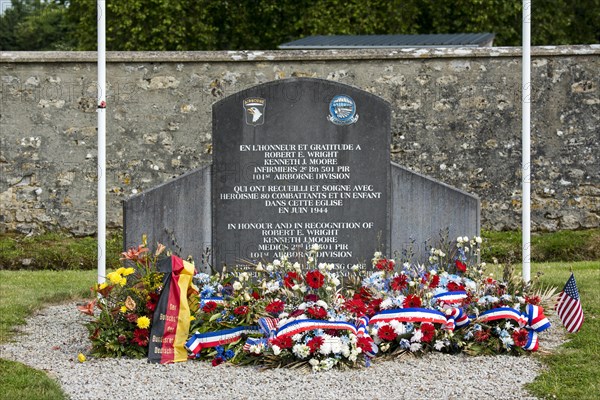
[171,320]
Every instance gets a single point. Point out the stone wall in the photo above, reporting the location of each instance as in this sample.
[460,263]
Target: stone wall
[456,117]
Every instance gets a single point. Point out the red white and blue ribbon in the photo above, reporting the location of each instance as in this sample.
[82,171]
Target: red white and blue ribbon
[200,341]
[451,297]
[303,325]
[456,318]
[268,326]
[218,300]
[362,331]
[254,342]
[533,319]
[409,315]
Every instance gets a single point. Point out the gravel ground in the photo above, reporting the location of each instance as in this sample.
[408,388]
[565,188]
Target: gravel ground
[52,338]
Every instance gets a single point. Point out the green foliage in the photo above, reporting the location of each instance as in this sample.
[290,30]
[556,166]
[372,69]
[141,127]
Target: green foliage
[36,25]
[248,24]
[573,371]
[19,382]
[56,251]
[550,246]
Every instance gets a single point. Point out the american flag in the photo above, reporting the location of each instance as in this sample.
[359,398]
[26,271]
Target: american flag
[568,306]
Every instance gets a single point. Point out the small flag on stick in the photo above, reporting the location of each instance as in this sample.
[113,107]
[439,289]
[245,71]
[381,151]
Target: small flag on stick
[568,306]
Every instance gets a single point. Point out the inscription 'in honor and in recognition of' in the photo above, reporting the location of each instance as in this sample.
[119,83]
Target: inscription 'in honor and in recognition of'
[296,166]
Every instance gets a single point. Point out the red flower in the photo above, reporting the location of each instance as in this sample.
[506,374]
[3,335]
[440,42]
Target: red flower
[482,336]
[385,265]
[364,295]
[315,279]
[356,306]
[151,306]
[275,307]
[428,331]
[461,266]
[122,339]
[535,300]
[520,337]
[386,332]
[412,301]
[454,287]
[284,342]
[374,307]
[317,312]
[132,318]
[290,279]
[311,298]
[399,283]
[241,310]
[365,343]
[255,295]
[134,254]
[209,307]
[315,343]
[435,281]
[140,337]
[296,313]
[217,361]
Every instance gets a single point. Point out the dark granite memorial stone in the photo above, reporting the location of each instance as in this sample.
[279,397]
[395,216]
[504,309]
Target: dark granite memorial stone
[299,162]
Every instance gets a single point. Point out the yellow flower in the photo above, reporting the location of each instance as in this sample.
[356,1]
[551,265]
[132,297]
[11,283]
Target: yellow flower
[121,271]
[143,322]
[81,357]
[114,277]
[123,281]
[127,271]
[102,285]
[192,318]
[123,309]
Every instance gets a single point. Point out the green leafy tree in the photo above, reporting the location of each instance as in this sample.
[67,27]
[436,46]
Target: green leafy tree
[36,25]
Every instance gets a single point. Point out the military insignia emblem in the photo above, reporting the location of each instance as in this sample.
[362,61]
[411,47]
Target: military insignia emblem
[342,110]
[254,110]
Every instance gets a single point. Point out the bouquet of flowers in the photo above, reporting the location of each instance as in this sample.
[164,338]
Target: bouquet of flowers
[124,305]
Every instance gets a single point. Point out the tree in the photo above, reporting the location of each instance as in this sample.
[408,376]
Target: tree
[36,25]
[265,24]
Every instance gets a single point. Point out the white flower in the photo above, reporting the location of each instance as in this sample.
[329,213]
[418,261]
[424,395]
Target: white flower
[244,276]
[315,247]
[336,346]
[465,239]
[246,297]
[295,287]
[478,239]
[322,266]
[323,304]
[417,336]
[459,239]
[314,362]
[297,266]
[355,267]
[433,272]
[276,350]
[377,254]
[310,260]
[330,267]
[301,350]
[386,304]
[345,350]
[284,258]
[269,267]
[297,337]
[276,263]
[259,267]
[415,347]
[325,348]
[237,285]
[466,249]
[335,281]
[439,345]
[482,266]
[330,289]
[385,347]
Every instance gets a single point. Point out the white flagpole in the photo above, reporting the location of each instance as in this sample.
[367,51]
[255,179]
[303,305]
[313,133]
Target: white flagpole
[101,140]
[526,141]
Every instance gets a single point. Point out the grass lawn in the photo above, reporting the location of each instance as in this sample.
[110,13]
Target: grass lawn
[574,370]
[21,293]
